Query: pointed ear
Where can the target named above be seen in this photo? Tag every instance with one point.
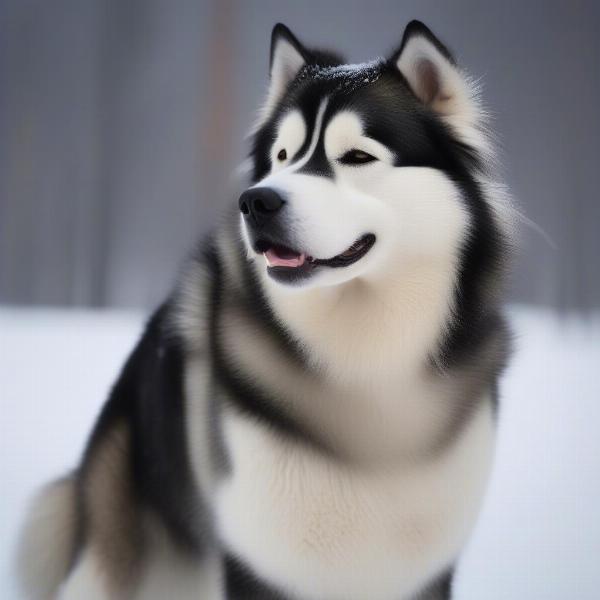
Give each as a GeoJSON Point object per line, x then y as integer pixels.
{"type": "Point", "coordinates": [288, 56]}
{"type": "Point", "coordinates": [432, 74]}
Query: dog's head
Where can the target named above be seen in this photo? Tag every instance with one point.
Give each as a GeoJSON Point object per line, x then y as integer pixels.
{"type": "Point", "coordinates": [358, 168]}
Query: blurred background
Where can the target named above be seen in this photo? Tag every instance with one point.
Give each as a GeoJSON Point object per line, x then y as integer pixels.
{"type": "Point", "coordinates": [121, 122]}
{"type": "Point", "coordinates": [121, 125]}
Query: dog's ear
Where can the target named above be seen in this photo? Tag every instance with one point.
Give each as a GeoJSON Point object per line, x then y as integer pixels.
{"type": "Point", "coordinates": [288, 56]}
{"type": "Point", "coordinates": [433, 76]}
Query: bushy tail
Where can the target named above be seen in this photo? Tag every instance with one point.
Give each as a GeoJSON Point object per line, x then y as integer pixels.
{"type": "Point", "coordinates": [47, 542]}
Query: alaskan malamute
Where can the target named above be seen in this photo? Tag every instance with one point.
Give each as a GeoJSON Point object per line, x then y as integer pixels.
{"type": "Point", "coordinates": [310, 414]}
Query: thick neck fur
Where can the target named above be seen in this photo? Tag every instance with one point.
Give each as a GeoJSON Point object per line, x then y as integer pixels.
{"type": "Point", "coordinates": [370, 392]}
{"type": "Point", "coordinates": [376, 331]}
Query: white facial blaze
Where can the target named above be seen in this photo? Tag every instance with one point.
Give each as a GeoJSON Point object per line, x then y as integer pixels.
{"type": "Point", "coordinates": [290, 137]}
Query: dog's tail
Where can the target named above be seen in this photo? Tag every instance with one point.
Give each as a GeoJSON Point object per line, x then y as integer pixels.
{"type": "Point", "coordinates": [47, 544]}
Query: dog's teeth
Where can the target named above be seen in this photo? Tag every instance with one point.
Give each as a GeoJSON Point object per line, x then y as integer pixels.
{"type": "Point", "coordinates": [266, 259]}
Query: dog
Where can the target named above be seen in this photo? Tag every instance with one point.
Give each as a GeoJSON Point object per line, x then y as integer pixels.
{"type": "Point", "coordinates": [311, 413]}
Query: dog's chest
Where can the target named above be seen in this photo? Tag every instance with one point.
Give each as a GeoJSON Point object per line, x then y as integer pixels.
{"type": "Point", "coordinates": [317, 528]}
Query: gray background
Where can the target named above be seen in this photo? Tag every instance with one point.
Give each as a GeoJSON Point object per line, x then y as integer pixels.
{"type": "Point", "coordinates": [121, 122]}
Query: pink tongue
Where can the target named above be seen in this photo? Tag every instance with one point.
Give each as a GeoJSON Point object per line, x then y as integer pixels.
{"type": "Point", "coordinates": [283, 260]}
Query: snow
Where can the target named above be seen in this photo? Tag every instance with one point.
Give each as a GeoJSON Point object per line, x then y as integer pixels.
{"type": "Point", "coordinates": [348, 77]}
{"type": "Point", "coordinates": [56, 368]}
{"type": "Point", "coordinates": [539, 532]}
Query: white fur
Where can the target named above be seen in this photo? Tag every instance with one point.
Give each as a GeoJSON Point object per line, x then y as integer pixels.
{"type": "Point", "coordinates": [419, 222]}
{"type": "Point", "coordinates": [373, 398]}
{"type": "Point", "coordinates": [381, 528]}
{"type": "Point", "coordinates": [86, 581]}
{"type": "Point", "coordinates": [47, 541]}
{"type": "Point", "coordinates": [329, 530]}
{"type": "Point", "coordinates": [403, 287]}
{"type": "Point", "coordinates": [291, 134]}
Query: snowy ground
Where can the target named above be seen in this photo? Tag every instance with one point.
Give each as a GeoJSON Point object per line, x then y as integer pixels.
{"type": "Point", "coordinates": [539, 534]}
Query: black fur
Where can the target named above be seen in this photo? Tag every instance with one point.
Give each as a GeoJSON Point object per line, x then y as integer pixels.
{"type": "Point", "coordinates": [417, 28]}
{"type": "Point", "coordinates": [148, 398]}
{"type": "Point", "coordinates": [243, 584]}
{"type": "Point", "coordinates": [439, 589]}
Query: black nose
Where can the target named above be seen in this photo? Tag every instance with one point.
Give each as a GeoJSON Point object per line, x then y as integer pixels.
{"type": "Point", "coordinates": [258, 205]}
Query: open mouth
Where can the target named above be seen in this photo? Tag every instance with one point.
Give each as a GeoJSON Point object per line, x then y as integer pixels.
{"type": "Point", "coordinates": [287, 264]}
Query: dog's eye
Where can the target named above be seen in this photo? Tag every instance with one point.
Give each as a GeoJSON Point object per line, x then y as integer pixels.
{"type": "Point", "coordinates": [356, 157]}
{"type": "Point", "coordinates": [282, 154]}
